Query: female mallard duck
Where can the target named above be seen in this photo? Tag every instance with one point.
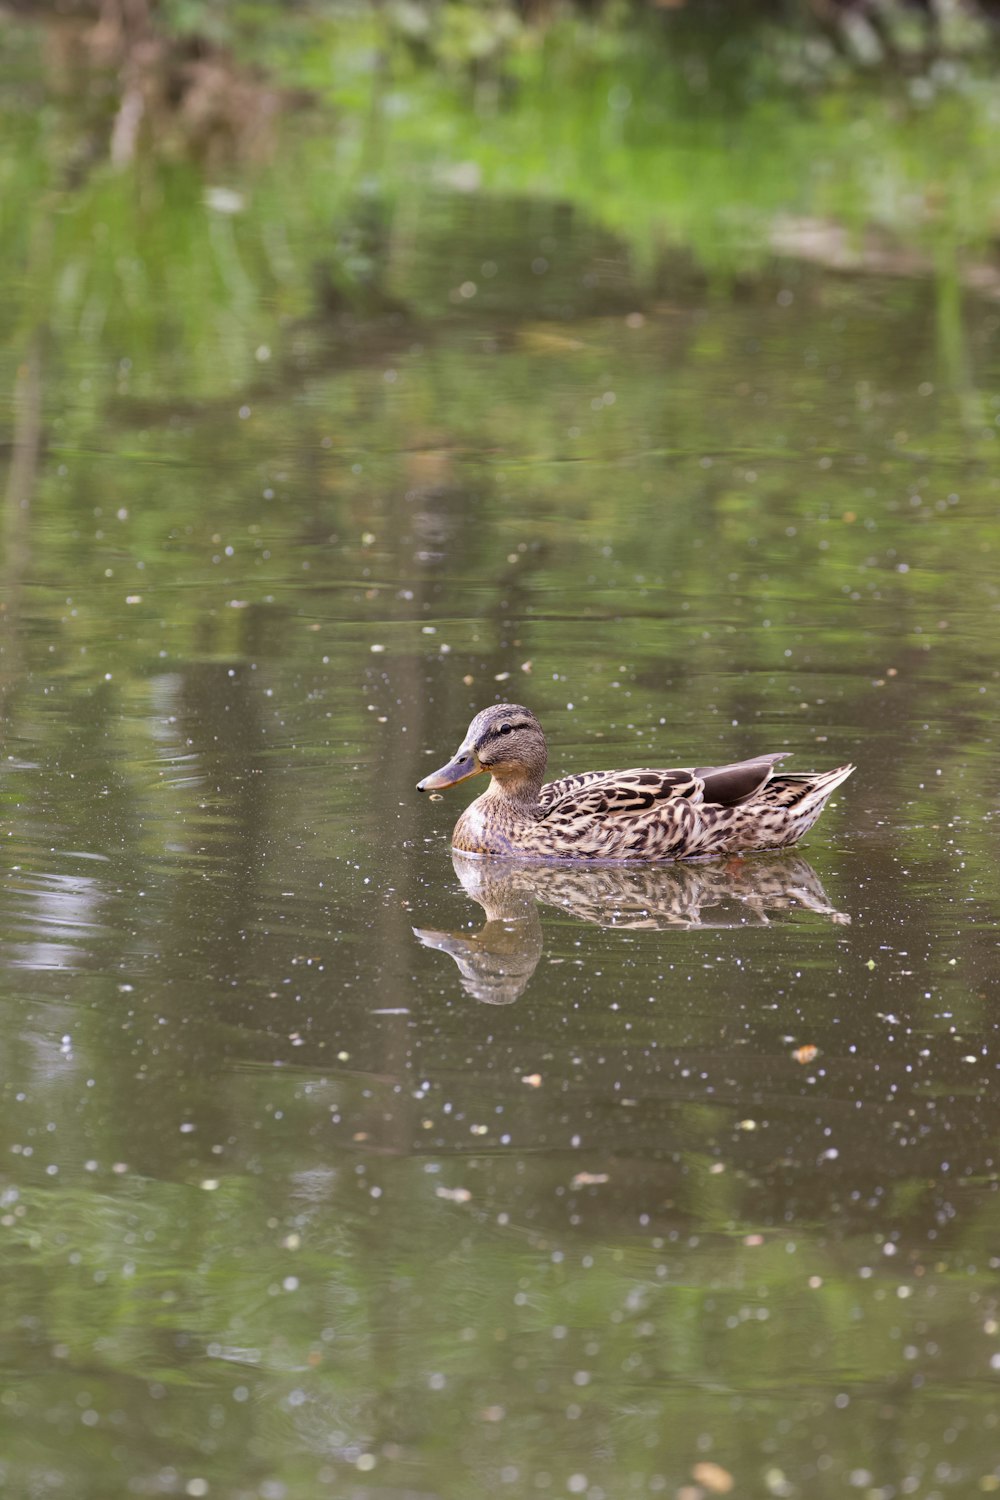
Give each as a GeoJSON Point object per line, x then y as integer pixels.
{"type": "Point", "coordinates": [639, 814]}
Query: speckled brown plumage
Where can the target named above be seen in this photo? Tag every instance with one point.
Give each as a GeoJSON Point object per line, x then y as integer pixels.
{"type": "Point", "coordinates": [640, 814]}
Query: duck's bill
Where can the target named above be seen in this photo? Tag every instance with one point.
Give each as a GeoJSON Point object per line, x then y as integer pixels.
{"type": "Point", "coordinates": [459, 769]}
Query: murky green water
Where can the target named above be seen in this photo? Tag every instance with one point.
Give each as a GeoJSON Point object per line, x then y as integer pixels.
{"type": "Point", "coordinates": [328, 1168]}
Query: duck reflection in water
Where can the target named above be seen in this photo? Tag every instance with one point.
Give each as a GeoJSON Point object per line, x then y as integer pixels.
{"type": "Point", "coordinates": [497, 962]}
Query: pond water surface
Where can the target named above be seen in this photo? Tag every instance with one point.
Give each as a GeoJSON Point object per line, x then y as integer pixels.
{"type": "Point", "coordinates": [330, 1166]}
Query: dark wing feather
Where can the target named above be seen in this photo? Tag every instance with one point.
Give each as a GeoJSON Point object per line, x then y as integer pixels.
{"type": "Point", "coordinates": [728, 786]}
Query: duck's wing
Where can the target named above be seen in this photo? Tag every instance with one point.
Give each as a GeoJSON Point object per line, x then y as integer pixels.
{"type": "Point", "coordinates": [728, 786]}
{"type": "Point", "coordinates": [600, 793]}
{"type": "Point", "coordinates": [554, 791]}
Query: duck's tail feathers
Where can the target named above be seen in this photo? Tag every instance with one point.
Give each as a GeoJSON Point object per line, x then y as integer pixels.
{"type": "Point", "coordinates": [806, 791]}
{"type": "Point", "coordinates": [827, 782]}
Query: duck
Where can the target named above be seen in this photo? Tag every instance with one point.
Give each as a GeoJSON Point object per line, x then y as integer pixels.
{"type": "Point", "coordinates": [640, 814]}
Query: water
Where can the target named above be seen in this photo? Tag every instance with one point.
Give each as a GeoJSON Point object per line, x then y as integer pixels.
{"type": "Point", "coordinates": [331, 1167]}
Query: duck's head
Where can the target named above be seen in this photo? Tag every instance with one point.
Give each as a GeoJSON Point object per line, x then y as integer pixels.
{"type": "Point", "coordinates": [506, 740]}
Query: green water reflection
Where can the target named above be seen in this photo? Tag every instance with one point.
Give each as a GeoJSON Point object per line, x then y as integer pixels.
{"type": "Point", "coordinates": [286, 1210]}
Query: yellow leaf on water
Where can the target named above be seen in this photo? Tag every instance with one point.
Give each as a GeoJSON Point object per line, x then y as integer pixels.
{"type": "Point", "coordinates": [714, 1477]}
{"type": "Point", "coordinates": [548, 340]}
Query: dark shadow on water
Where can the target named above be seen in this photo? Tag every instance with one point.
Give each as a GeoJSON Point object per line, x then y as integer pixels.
{"type": "Point", "coordinates": [497, 962]}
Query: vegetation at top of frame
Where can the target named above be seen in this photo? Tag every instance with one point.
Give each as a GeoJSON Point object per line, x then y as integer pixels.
{"type": "Point", "coordinates": [200, 219]}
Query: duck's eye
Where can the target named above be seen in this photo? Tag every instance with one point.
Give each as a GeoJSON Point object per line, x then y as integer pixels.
{"type": "Point", "coordinates": [505, 729]}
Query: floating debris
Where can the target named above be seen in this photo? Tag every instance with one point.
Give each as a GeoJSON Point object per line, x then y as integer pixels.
{"type": "Point", "coordinates": [714, 1477]}
{"type": "Point", "coordinates": [453, 1195]}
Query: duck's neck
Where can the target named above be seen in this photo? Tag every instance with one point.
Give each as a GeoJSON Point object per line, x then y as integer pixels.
{"type": "Point", "coordinates": [515, 792]}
